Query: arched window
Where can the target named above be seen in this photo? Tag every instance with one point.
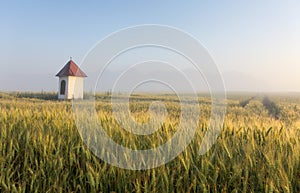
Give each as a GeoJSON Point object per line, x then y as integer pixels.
{"type": "Point", "coordinates": [62, 87]}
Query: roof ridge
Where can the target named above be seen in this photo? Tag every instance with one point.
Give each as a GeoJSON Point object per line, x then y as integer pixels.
{"type": "Point", "coordinates": [71, 69]}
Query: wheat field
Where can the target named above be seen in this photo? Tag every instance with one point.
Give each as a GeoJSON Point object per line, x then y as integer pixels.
{"type": "Point", "coordinates": [257, 151]}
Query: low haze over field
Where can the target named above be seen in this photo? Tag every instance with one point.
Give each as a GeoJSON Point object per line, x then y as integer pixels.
{"type": "Point", "coordinates": [255, 44]}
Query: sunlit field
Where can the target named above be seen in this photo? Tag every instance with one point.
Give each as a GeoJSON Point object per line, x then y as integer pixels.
{"type": "Point", "coordinates": [258, 150]}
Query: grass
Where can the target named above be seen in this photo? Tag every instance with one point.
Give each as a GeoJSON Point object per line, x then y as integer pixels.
{"type": "Point", "coordinates": [41, 149]}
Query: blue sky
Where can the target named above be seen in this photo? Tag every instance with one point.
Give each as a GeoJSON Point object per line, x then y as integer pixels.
{"type": "Point", "coordinates": [256, 44]}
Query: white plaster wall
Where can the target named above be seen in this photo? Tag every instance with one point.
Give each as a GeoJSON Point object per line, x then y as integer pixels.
{"type": "Point", "coordinates": [72, 92]}
{"type": "Point", "coordinates": [59, 95]}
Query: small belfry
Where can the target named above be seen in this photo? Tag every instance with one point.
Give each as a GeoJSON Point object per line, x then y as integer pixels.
{"type": "Point", "coordinates": [71, 79]}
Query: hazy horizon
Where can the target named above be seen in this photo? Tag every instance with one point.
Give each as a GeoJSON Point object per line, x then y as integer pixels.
{"type": "Point", "coordinates": [255, 44]}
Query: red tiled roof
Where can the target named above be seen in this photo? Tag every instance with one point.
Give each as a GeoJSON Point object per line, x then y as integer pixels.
{"type": "Point", "coordinates": [71, 69]}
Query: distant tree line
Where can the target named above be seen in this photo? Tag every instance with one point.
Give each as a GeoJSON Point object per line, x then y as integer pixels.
{"type": "Point", "coordinates": [37, 95]}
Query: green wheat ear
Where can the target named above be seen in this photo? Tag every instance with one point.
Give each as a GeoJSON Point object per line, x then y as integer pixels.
{"type": "Point", "coordinates": [42, 151]}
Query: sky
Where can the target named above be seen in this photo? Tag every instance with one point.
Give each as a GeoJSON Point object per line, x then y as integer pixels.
{"type": "Point", "coordinates": [255, 44]}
